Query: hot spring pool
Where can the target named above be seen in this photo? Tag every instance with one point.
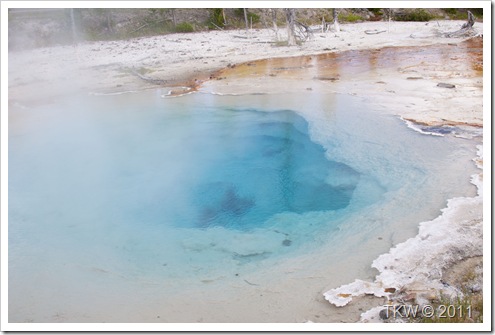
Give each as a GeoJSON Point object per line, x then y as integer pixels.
{"type": "Point", "coordinates": [136, 192]}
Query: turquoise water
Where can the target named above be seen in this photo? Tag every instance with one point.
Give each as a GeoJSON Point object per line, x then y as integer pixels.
{"type": "Point", "coordinates": [267, 166]}
{"type": "Point", "coordinates": [175, 190]}
{"type": "Point", "coordinates": [169, 167]}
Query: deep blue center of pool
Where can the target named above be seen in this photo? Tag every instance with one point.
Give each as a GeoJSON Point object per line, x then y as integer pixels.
{"type": "Point", "coordinates": [223, 167]}
{"type": "Point", "coordinates": [268, 165]}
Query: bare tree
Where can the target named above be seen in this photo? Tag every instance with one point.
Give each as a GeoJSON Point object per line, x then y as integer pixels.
{"type": "Point", "coordinates": [174, 19]}
{"type": "Point", "coordinates": [273, 12]}
{"type": "Point", "coordinates": [224, 18]}
{"type": "Point", "coordinates": [291, 20]}
{"type": "Point", "coordinates": [246, 19]}
{"type": "Point", "coordinates": [389, 13]}
{"type": "Point", "coordinates": [73, 26]}
{"type": "Point", "coordinates": [470, 22]}
{"type": "Point", "coordinates": [302, 31]}
{"type": "Point", "coordinates": [466, 29]}
{"type": "Point", "coordinates": [335, 13]}
{"type": "Point", "coordinates": [109, 20]}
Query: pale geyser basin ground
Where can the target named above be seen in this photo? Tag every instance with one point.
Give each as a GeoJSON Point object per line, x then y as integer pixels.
{"type": "Point", "coordinates": [75, 255]}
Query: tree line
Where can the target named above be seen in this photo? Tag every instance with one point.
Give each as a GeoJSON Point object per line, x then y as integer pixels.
{"type": "Point", "coordinates": [44, 27]}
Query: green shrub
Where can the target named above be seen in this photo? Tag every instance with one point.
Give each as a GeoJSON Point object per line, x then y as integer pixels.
{"type": "Point", "coordinates": [184, 27]}
{"type": "Point", "coordinates": [216, 18]}
{"type": "Point", "coordinates": [351, 17]}
{"type": "Point", "coordinates": [450, 11]}
{"type": "Point", "coordinates": [455, 13]}
{"type": "Point", "coordinates": [418, 14]}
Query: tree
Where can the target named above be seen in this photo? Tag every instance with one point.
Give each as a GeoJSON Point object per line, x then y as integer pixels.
{"type": "Point", "coordinates": [174, 19]}
{"type": "Point", "coordinates": [273, 12]}
{"type": "Point", "coordinates": [73, 25]}
{"type": "Point", "coordinates": [246, 19]}
{"type": "Point", "coordinates": [470, 22]}
{"type": "Point", "coordinates": [224, 18]}
{"type": "Point", "coordinates": [466, 29]}
{"type": "Point", "coordinates": [335, 14]}
{"type": "Point", "coordinates": [109, 20]}
{"type": "Point", "coordinates": [291, 20]}
{"type": "Point", "coordinates": [389, 14]}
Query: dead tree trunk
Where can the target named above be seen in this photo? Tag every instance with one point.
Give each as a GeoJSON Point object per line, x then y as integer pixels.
{"type": "Point", "coordinates": [291, 20]}
{"type": "Point", "coordinates": [470, 22]}
{"type": "Point", "coordinates": [466, 29]}
{"type": "Point", "coordinates": [224, 18]}
{"type": "Point", "coordinates": [335, 13]}
{"type": "Point", "coordinates": [174, 19]}
{"type": "Point", "coordinates": [302, 32]}
{"type": "Point", "coordinates": [73, 26]}
{"type": "Point", "coordinates": [109, 24]}
{"type": "Point", "coordinates": [389, 12]}
{"type": "Point", "coordinates": [273, 12]}
{"type": "Point", "coordinates": [246, 19]}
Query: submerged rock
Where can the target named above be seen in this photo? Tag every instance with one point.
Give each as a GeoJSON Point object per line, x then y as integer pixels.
{"type": "Point", "coordinates": [234, 204]}
{"type": "Point", "coordinates": [223, 204]}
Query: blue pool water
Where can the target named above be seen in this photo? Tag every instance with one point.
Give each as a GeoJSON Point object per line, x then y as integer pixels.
{"type": "Point", "coordinates": [267, 166]}
{"type": "Point", "coordinates": [177, 191]}
{"type": "Point", "coordinates": [168, 167]}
